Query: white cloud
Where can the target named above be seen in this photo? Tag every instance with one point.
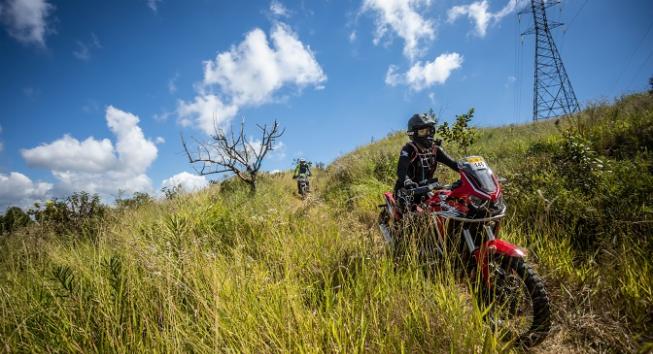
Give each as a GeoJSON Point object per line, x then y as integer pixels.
{"type": "Point", "coordinates": [16, 189]}
{"type": "Point", "coordinates": [84, 49]}
{"type": "Point", "coordinates": [423, 75]}
{"type": "Point", "coordinates": [159, 140]}
{"type": "Point", "coordinates": [163, 116]}
{"type": "Point", "coordinates": [207, 111]}
{"type": "Point", "coordinates": [352, 36]}
{"type": "Point", "coordinates": [249, 75]}
{"type": "Point", "coordinates": [2, 146]}
{"type": "Point", "coordinates": [278, 9]}
{"type": "Point", "coordinates": [26, 20]}
{"type": "Point", "coordinates": [153, 4]}
{"type": "Point", "coordinates": [189, 182]}
{"type": "Point", "coordinates": [172, 84]}
{"type": "Point", "coordinates": [278, 150]}
{"type": "Point", "coordinates": [68, 153]}
{"type": "Point", "coordinates": [99, 166]}
{"type": "Point", "coordinates": [404, 18]}
{"type": "Point", "coordinates": [510, 80]}
{"type": "Point", "coordinates": [479, 14]}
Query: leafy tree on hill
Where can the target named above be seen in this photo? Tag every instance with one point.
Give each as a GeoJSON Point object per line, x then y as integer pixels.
{"type": "Point", "coordinates": [460, 132]}
{"type": "Point", "coordinates": [13, 219]}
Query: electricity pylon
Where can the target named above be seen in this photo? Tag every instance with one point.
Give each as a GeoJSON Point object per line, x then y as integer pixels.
{"type": "Point", "coordinates": [553, 95]}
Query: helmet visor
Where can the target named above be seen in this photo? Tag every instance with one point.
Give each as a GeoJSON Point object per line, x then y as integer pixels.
{"type": "Point", "coordinates": [425, 132]}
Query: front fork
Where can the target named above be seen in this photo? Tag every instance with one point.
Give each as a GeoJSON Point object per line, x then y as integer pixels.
{"type": "Point", "coordinates": [490, 247]}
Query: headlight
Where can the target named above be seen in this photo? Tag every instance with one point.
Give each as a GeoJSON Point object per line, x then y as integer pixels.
{"type": "Point", "coordinates": [498, 204]}
{"type": "Point", "coordinates": [476, 201]}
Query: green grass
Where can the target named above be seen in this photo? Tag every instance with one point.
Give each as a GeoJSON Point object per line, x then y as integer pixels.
{"type": "Point", "coordinates": [221, 271]}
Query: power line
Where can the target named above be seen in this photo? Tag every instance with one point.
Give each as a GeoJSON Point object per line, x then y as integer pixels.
{"type": "Point", "coordinates": [640, 67]}
{"type": "Point", "coordinates": [568, 24]}
{"type": "Point", "coordinates": [577, 13]}
{"type": "Point", "coordinates": [630, 58]}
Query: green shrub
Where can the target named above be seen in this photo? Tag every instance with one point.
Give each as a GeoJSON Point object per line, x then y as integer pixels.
{"type": "Point", "coordinates": [13, 219]}
{"type": "Point", "coordinates": [81, 214]}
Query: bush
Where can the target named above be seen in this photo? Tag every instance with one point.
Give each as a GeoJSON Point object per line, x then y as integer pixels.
{"type": "Point", "coordinates": [137, 200]}
{"type": "Point", "coordinates": [13, 219]}
{"type": "Point", "coordinates": [79, 214]}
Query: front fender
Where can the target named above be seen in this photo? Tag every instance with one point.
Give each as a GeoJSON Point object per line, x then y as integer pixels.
{"type": "Point", "coordinates": [503, 248]}
{"type": "Point", "coordinates": [492, 247]}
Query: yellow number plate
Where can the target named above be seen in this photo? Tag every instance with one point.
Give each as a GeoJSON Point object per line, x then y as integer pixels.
{"type": "Point", "coordinates": [477, 162]}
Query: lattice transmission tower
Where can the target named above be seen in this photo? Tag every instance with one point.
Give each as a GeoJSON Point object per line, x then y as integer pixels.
{"type": "Point", "coordinates": [553, 95]}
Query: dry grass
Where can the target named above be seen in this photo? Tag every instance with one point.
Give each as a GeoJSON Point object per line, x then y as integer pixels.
{"type": "Point", "coordinates": [221, 271]}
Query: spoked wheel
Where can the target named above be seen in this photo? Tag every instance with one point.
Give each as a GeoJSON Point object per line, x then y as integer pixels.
{"type": "Point", "coordinates": [516, 301]}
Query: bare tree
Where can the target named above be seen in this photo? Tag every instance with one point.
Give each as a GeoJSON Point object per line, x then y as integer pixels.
{"type": "Point", "coordinates": [234, 152]}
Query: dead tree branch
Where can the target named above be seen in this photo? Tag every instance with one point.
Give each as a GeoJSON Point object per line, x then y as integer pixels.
{"type": "Point", "coordinates": [233, 152]}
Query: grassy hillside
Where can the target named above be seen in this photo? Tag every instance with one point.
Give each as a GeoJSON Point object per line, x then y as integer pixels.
{"type": "Point", "coordinates": [223, 271]}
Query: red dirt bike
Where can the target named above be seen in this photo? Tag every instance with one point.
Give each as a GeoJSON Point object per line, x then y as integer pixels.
{"type": "Point", "coordinates": [509, 291]}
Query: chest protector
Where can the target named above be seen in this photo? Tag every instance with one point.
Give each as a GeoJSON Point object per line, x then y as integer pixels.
{"type": "Point", "coordinates": [424, 162]}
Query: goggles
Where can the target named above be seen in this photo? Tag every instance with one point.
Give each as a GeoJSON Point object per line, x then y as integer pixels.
{"type": "Point", "coordinates": [425, 132]}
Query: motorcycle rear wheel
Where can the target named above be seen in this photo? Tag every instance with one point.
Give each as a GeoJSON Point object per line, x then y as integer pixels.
{"type": "Point", "coordinates": [512, 280]}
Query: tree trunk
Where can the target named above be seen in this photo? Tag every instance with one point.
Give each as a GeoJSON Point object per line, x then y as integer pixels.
{"type": "Point", "coordinates": [252, 186]}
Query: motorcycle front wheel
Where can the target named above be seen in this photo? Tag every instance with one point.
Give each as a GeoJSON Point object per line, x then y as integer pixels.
{"type": "Point", "coordinates": [515, 301]}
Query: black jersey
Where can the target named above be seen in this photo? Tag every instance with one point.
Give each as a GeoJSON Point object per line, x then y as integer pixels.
{"type": "Point", "coordinates": [420, 164]}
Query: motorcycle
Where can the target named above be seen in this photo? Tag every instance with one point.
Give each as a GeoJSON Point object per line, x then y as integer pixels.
{"type": "Point", "coordinates": [508, 290]}
{"type": "Point", "coordinates": [303, 185]}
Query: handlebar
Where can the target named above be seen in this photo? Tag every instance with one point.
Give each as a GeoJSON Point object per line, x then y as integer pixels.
{"type": "Point", "coordinates": [425, 189]}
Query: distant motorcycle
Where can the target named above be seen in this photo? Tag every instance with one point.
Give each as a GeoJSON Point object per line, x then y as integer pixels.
{"type": "Point", "coordinates": [508, 288]}
{"type": "Point", "coordinates": [303, 185]}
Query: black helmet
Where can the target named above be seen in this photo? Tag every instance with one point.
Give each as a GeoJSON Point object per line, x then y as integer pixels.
{"type": "Point", "coordinates": [420, 122]}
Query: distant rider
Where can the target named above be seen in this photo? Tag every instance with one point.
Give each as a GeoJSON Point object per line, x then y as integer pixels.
{"type": "Point", "coordinates": [419, 158]}
{"type": "Point", "coordinates": [302, 168]}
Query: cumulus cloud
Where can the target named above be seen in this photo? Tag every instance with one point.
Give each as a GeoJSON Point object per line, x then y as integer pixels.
{"type": "Point", "coordinates": [404, 19]}
{"type": "Point", "coordinates": [68, 153]}
{"type": "Point", "coordinates": [188, 182]}
{"type": "Point", "coordinates": [27, 20]}
{"type": "Point", "coordinates": [249, 75]}
{"type": "Point", "coordinates": [425, 74]}
{"type": "Point", "coordinates": [278, 150]}
{"type": "Point", "coordinates": [207, 111]}
{"type": "Point", "coordinates": [478, 13]}
{"type": "Point", "coordinates": [16, 189]}
{"type": "Point", "coordinates": [99, 166]}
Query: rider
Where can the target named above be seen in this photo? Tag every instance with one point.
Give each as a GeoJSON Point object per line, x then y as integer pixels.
{"type": "Point", "coordinates": [302, 168]}
{"type": "Point", "coordinates": [419, 158]}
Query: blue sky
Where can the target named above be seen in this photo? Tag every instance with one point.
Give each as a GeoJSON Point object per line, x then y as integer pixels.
{"type": "Point", "coordinates": [95, 94]}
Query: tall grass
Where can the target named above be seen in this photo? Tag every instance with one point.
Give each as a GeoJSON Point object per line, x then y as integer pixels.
{"type": "Point", "coordinates": [221, 271]}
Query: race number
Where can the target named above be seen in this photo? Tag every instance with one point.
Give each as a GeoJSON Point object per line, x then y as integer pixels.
{"type": "Point", "coordinates": [477, 162]}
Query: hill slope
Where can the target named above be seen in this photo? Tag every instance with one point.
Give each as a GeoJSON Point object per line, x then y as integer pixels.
{"type": "Point", "coordinates": [221, 270]}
